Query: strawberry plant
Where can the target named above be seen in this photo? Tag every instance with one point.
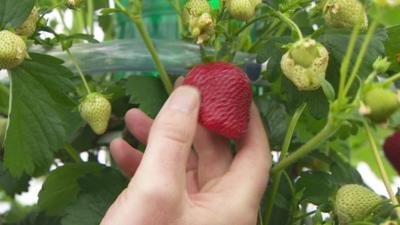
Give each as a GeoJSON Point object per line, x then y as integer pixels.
{"type": "Point", "coordinates": [323, 73]}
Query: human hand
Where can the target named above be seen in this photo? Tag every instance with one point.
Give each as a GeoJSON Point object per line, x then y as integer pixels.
{"type": "Point", "coordinates": [175, 185]}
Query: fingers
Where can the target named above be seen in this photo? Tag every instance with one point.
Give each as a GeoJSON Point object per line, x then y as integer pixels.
{"type": "Point", "coordinates": [126, 157]}
{"type": "Point", "coordinates": [139, 124]}
{"type": "Point", "coordinates": [169, 143]}
{"type": "Point", "coordinates": [214, 155]}
{"type": "Point", "coordinates": [179, 82]}
{"type": "Point", "coordinates": [252, 163]}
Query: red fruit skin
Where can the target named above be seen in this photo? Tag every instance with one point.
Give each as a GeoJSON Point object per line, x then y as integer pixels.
{"type": "Point", "coordinates": [226, 97]}
{"type": "Point", "coordinates": [392, 150]}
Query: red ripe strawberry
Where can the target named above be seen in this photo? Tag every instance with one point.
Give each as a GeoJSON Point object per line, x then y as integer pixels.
{"type": "Point", "coordinates": [392, 150]}
{"type": "Point", "coordinates": [226, 96]}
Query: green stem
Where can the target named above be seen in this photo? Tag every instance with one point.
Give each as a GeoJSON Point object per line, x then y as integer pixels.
{"type": "Point", "coordinates": [285, 149]}
{"type": "Point", "coordinates": [371, 77]}
{"type": "Point", "coordinates": [361, 55]}
{"type": "Point", "coordinates": [73, 153]}
{"type": "Point", "coordinates": [78, 68]}
{"type": "Point", "coordinates": [260, 221]}
{"type": "Point", "coordinates": [146, 38]}
{"type": "Point", "coordinates": [120, 5]}
{"type": "Point", "coordinates": [290, 22]}
{"type": "Point", "coordinates": [391, 79]}
{"type": "Point", "coordinates": [136, 18]}
{"type": "Point", "coordinates": [346, 62]}
{"type": "Point", "coordinates": [329, 129]}
{"type": "Point", "coordinates": [90, 12]}
{"type": "Point", "coordinates": [382, 170]}
{"type": "Point", "coordinates": [251, 22]}
{"type": "Point", "coordinates": [180, 16]}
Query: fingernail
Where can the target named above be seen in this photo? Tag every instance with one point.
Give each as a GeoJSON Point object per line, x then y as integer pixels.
{"type": "Point", "coordinates": [184, 99]}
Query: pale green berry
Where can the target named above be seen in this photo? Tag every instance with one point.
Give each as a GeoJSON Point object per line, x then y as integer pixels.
{"type": "Point", "coordinates": [28, 28]}
{"type": "Point", "coordinates": [202, 27]}
{"type": "Point", "coordinates": [345, 14]}
{"type": "Point", "coordinates": [354, 203]}
{"type": "Point", "coordinates": [13, 50]}
{"type": "Point", "coordinates": [380, 104]}
{"type": "Point", "coordinates": [243, 10]}
{"type": "Point", "coordinates": [95, 109]}
{"type": "Point", "coordinates": [195, 8]}
{"type": "Point", "coordinates": [305, 64]}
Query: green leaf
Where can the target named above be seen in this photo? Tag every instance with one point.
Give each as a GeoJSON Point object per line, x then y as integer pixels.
{"type": "Point", "coordinates": [14, 12]}
{"type": "Point", "coordinates": [97, 195]}
{"type": "Point", "coordinates": [50, 3]}
{"type": "Point", "coordinates": [41, 115]}
{"type": "Point", "coordinates": [275, 118]}
{"type": "Point", "coordinates": [336, 41]}
{"type": "Point", "coordinates": [35, 217]}
{"type": "Point", "coordinates": [392, 46]}
{"type": "Point", "coordinates": [388, 16]}
{"type": "Point", "coordinates": [311, 183]}
{"type": "Point", "coordinates": [343, 172]}
{"type": "Point", "coordinates": [148, 92]}
{"type": "Point", "coordinates": [61, 187]}
{"type": "Point", "coordinates": [12, 185]}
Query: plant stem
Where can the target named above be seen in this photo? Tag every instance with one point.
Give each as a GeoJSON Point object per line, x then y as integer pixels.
{"type": "Point", "coordinates": [392, 79]}
{"type": "Point", "coordinates": [146, 38]}
{"type": "Point", "coordinates": [346, 62]}
{"type": "Point", "coordinates": [136, 18]}
{"type": "Point", "coordinates": [361, 55]}
{"type": "Point", "coordinates": [285, 148]}
{"type": "Point", "coordinates": [329, 129]}
{"type": "Point", "coordinates": [180, 17]}
{"type": "Point", "coordinates": [120, 5]}
{"type": "Point", "coordinates": [382, 170]}
{"type": "Point", "coordinates": [73, 153]}
{"type": "Point", "coordinates": [78, 68]}
{"type": "Point", "coordinates": [251, 22]}
{"type": "Point", "coordinates": [90, 12]}
{"type": "Point", "coordinates": [290, 22]}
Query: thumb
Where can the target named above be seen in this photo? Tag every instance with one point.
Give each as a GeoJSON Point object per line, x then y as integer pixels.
{"type": "Point", "coordinates": [169, 143]}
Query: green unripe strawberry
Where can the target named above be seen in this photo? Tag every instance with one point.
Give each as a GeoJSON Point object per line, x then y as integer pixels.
{"type": "Point", "coordinates": [201, 28]}
{"type": "Point", "coordinates": [390, 222]}
{"type": "Point", "coordinates": [243, 10]}
{"type": "Point", "coordinates": [255, 3]}
{"type": "Point", "coordinates": [305, 64]}
{"type": "Point", "coordinates": [345, 14]}
{"type": "Point", "coordinates": [12, 50]}
{"type": "Point", "coordinates": [3, 127]}
{"type": "Point", "coordinates": [380, 104]}
{"type": "Point", "coordinates": [74, 4]}
{"type": "Point", "coordinates": [354, 203]}
{"type": "Point", "coordinates": [197, 13]}
{"type": "Point", "coordinates": [28, 28]}
{"type": "Point", "coordinates": [196, 8]}
{"type": "Point", "coordinates": [95, 109]}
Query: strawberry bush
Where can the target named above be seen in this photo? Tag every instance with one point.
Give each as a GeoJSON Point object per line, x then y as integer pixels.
{"type": "Point", "coordinates": [323, 74]}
